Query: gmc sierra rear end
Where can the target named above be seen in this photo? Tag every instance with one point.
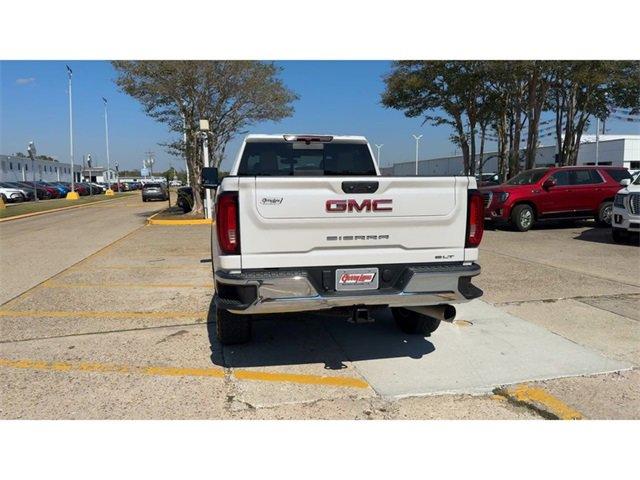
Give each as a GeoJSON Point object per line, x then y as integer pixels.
{"type": "Point", "coordinates": [306, 222]}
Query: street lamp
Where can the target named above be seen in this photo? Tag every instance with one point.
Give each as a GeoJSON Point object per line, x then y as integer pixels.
{"type": "Point", "coordinates": [106, 137]}
{"type": "Point", "coordinates": [31, 149]}
{"type": "Point", "coordinates": [417, 137]}
{"type": "Point", "coordinates": [379, 147]}
{"type": "Point", "coordinates": [72, 195]}
{"type": "Point", "coordinates": [90, 180]}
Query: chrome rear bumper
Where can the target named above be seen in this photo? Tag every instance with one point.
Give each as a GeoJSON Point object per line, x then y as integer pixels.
{"type": "Point", "coordinates": [279, 291]}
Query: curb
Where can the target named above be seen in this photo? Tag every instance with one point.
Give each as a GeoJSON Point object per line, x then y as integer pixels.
{"type": "Point", "coordinates": [53, 210]}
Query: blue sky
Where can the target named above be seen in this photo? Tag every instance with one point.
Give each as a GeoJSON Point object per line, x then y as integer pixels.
{"type": "Point", "coordinates": [340, 97]}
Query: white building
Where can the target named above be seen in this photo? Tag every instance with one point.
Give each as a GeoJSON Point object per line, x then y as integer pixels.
{"type": "Point", "coordinates": [21, 169]}
{"type": "Point", "coordinates": [618, 150]}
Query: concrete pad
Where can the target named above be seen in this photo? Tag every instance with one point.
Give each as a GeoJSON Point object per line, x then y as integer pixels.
{"type": "Point", "coordinates": [613, 335]}
{"type": "Point", "coordinates": [497, 349]}
{"type": "Point", "coordinates": [508, 279]}
{"type": "Point", "coordinates": [625, 305]}
{"type": "Point", "coordinates": [578, 248]}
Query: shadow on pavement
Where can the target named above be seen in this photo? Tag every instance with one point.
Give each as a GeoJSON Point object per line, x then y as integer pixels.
{"type": "Point", "coordinates": [306, 338]}
{"type": "Point", "coordinates": [603, 235]}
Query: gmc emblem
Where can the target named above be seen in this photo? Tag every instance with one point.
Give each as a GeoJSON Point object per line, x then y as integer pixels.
{"type": "Point", "coordinates": [351, 205]}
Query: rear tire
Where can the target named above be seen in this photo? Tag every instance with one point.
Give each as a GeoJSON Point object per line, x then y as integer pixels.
{"type": "Point", "coordinates": [522, 217]}
{"type": "Point", "coordinates": [604, 214]}
{"type": "Point", "coordinates": [414, 323]}
{"type": "Point", "coordinates": [232, 329]}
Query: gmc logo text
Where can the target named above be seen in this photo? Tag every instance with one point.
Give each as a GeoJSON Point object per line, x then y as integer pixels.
{"type": "Point", "coordinates": [352, 205]}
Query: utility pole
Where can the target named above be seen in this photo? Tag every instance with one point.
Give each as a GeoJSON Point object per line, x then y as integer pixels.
{"type": "Point", "coordinates": [379, 147]}
{"type": "Point", "coordinates": [417, 137]}
{"type": "Point", "coordinates": [106, 137]}
{"type": "Point", "coordinates": [72, 195]}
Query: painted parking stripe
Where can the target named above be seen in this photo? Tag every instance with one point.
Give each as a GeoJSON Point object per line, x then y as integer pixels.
{"type": "Point", "coordinates": [99, 314]}
{"type": "Point", "coordinates": [163, 371]}
{"type": "Point", "coordinates": [536, 397]}
{"type": "Point", "coordinates": [297, 378]}
{"type": "Point", "coordinates": [111, 368]}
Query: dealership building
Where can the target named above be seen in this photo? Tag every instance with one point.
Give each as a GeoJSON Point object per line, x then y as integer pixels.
{"type": "Point", "coordinates": [618, 150]}
{"type": "Point", "coordinates": [21, 169]}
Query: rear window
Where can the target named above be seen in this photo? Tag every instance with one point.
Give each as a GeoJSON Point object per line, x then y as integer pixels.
{"type": "Point", "coordinates": [317, 159]}
{"type": "Point", "coordinates": [618, 174]}
{"type": "Point", "coordinates": [152, 185]}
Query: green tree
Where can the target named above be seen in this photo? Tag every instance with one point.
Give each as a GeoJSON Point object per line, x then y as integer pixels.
{"type": "Point", "coordinates": [583, 90]}
{"type": "Point", "coordinates": [232, 95]}
{"type": "Point", "coordinates": [443, 93]}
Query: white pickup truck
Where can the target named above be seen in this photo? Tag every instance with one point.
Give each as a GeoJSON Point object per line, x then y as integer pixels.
{"type": "Point", "coordinates": [306, 222]}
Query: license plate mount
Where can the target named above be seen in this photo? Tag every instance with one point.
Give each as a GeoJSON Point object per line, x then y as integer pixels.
{"type": "Point", "coordinates": [356, 279]}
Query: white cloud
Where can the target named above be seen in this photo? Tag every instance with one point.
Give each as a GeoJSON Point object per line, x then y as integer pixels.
{"type": "Point", "coordinates": [25, 81]}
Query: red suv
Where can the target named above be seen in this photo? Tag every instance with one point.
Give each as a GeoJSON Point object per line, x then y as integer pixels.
{"type": "Point", "coordinates": [557, 193]}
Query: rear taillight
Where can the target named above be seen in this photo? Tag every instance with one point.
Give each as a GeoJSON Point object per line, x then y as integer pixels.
{"type": "Point", "coordinates": [227, 223]}
{"type": "Point", "coordinates": [475, 219]}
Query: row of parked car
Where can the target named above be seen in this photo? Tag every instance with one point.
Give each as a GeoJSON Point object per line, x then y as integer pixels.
{"type": "Point", "coordinates": [563, 193]}
{"type": "Point", "coordinates": [14, 192]}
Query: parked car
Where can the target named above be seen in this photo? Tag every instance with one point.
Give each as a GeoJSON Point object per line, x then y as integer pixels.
{"type": "Point", "coordinates": [54, 191]}
{"type": "Point", "coordinates": [626, 211]}
{"type": "Point", "coordinates": [155, 191]}
{"type": "Point", "coordinates": [41, 192]}
{"type": "Point", "coordinates": [11, 195]}
{"type": "Point", "coordinates": [306, 222]}
{"type": "Point", "coordinates": [62, 190]}
{"type": "Point", "coordinates": [557, 193]}
{"type": "Point", "coordinates": [26, 192]}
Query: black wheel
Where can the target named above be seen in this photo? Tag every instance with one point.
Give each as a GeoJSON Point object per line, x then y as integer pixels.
{"type": "Point", "coordinates": [414, 323]}
{"type": "Point", "coordinates": [232, 329]}
{"type": "Point", "coordinates": [604, 214]}
{"type": "Point", "coordinates": [4, 199]}
{"type": "Point", "coordinates": [144, 199]}
{"type": "Point", "coordinates": [618, 235]}
{"type": "Point", "coordinates": [522, 217]}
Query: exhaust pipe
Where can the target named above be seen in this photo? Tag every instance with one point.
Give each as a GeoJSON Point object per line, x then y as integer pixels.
{"type": "Point", "coordinates": [441, 312]}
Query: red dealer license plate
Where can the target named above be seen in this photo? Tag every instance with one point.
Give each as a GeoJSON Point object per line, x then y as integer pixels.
{"type": "Point", "coordinates": [356, 279]}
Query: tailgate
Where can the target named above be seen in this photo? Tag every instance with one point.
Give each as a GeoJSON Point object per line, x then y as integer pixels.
{"type": "Point", "coordinates": [299, 221]}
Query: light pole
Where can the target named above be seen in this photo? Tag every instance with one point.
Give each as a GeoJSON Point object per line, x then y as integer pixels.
{"type": "Point", "coordinates": [31, 149]}
{"type": "Point", "coordinates": [89, 165]}
{"type": "Point", "coordinates": [204, 136]}
{"type": "Point", "coordinates": [597, 140]}
{"type": "Point", "coordinates": [417, 137]}
{"type": "Point", "coordinates": [379, 147]}
{"type": "Point", "coordinates": [106, 137]}
{"type": "Point", "coordinates": [184, 140]}
{"type": "Point", "coordinates": [72, 195]}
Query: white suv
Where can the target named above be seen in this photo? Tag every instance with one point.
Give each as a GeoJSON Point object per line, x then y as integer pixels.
{"type": "Point", "coordinates": [626, 210]}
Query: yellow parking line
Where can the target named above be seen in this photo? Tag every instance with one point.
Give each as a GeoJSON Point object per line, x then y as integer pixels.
{"type": "Point", "coordinates": [296, 378]}
{"type": "Point", "coordinates": [98, 314]}
{"type": "Point", "coordinates": [533, 396]}
{"type": "Point", "coordinates": [108, 284]}
{"type": "Point", "coordinates": [110, 368]}
{"type": "Point", "coordinates": [163, 371]}
{"type": "Point", "coordinates": [194, 221]}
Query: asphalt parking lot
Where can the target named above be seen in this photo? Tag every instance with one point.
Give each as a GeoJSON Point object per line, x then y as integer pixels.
{"type": "Point", "coordinates": [120, 326]}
